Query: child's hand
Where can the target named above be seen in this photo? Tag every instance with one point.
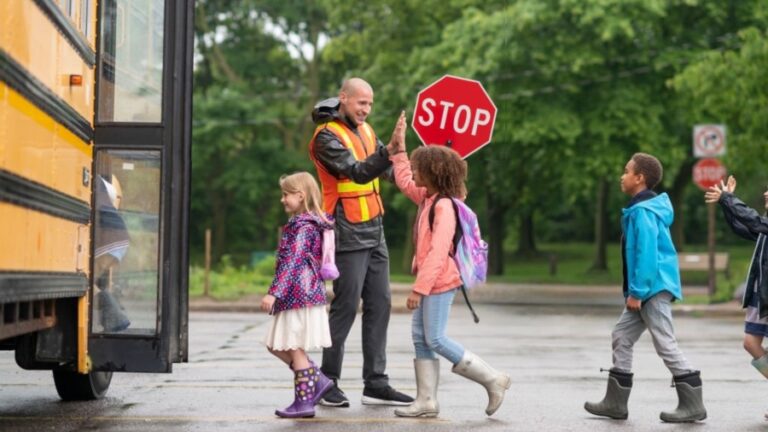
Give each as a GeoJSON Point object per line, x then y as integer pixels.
{"type": "Point", "coordinates": [634, 304]}
{"type": "Point", "coordinates": [267, 303]}
{"type": "Point", "coordinates": [714, 192]}
{"type": "Point", "coordinates": [414, 299]}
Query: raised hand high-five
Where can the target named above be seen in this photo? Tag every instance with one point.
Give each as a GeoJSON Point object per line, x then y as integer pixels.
{"type": "Point", "coordinates": [397, 142]}
{"type": "Point", "coordinates": [714, 192]}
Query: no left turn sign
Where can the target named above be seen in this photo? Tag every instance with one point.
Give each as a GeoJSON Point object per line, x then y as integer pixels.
{"type": "Point", "coordinates": [708, 141]}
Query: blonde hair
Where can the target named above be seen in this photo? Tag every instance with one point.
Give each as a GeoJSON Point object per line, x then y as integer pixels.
{"type": "Point", "coordinates": [304, 182]}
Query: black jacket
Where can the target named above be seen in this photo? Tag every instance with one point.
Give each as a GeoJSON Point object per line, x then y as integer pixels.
{"type": "Point", "coordinates": [748, 223]}
{"type": "Point", "coordinates": [339, 161]}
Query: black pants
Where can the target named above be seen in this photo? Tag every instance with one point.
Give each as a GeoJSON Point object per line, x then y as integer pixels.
{"type": "Point", "coordinates": [364, 274]}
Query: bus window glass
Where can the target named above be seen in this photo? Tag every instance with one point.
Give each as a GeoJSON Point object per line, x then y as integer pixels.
{"type": "Point", "coordinates": [126, 242]}
{"type": "Point", "coordinates": [85, 17]}
{"type": "Point", "coordinates": [131, 65]}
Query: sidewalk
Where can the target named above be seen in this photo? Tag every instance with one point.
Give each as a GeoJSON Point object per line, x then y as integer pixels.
{"type": "Point", "coordinates": [508, 294]}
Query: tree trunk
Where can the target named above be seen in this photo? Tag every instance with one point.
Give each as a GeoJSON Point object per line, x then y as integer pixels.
{"type": "Point", "coordinates": [526, 243]}
{"type": "Point", "coordinates": [496, 234]}
{"type": "Point", "coordinates": [408, 248]}
{"type": "Point", "coordinates": [601, 227]}
{"type": "Point", "coordinates": [676, 195]}
{"type": "Point", "coordinates": [219, 220]}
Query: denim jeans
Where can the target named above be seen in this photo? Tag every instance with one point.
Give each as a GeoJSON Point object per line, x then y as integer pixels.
{"type": "Point", "coordinates": [428, 328]}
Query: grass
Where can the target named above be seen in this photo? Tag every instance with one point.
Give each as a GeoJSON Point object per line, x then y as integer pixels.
{"type": "Point", "coordinates": [229, 282]}
{"type": "Point", "coordinates": [573, 261]}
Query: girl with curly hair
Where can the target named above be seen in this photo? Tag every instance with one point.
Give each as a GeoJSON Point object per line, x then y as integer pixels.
{"type": "Point", "coordinates": [433, 173]}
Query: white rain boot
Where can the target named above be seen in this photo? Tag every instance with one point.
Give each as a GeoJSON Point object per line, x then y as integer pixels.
{"type": "Point", "coordinates": [427, 378]}
{"type": "Point", "coordinates": [761, 364]}
{"type": "Point", "coordinates": [476, 369]}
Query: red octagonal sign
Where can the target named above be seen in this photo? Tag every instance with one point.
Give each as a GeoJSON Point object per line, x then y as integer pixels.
{"type": "Point", "coordinates": [455, 110]}
{"type": "Point", "coordinates": [707, 173]}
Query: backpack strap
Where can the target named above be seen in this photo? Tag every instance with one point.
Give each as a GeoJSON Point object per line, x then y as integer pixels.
{"type": "Point", "coordinates": [456, 234]}
{"type": "Point", "coordinates": [471, 309]}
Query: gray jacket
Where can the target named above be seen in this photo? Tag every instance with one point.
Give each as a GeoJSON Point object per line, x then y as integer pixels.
{"type": "Point", "coordinates": [339, 161]}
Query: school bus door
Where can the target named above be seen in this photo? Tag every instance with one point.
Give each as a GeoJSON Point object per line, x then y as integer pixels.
{"type": "Point", "coordinates": [140, 181]}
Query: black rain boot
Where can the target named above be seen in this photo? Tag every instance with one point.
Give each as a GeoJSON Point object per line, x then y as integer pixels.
{"type": "Point", "coordinates": [614, 404]}
{"type": "Point", "coordinates": [690, 406]}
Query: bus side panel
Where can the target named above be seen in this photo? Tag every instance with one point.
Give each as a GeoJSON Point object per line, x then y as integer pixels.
{"type": "Point", "coordinates": [41, 150]}
{"type": "Point", "coordinates": [33, 41]}
{"type": "Point", "coordinates": [36, 242]}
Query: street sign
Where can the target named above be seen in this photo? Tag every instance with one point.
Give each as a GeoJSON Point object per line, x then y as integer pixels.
{"type": "Point", "coordinates": [708, 141]}
{"type": "Point", "coordinates": [455, 110]}
{"type": "Point", "coordinates": [708, 172]}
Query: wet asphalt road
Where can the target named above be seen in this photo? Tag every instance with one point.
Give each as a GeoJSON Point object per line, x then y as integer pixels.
{"type": "Point", "coordinates": [552, 353]}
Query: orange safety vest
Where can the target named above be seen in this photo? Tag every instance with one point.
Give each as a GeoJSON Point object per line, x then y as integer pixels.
{"type": "Point", "coordinates": [361, 202]}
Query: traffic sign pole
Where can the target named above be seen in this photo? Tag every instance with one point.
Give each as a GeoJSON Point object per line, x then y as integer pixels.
{"type": "Point", "coordinates": [711, 275]}
{"type": "Point", "coordinates": [709, 141]}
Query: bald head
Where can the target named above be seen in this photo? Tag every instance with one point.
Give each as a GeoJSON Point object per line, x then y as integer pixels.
{"type": "Point", "coordinates": [355, 100]}
{"type": "Point", "coordinates": [353, 86]}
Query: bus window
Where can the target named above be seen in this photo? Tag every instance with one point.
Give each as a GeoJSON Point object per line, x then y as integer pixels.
{"type": "Point", "coordinates": [85, 17]}
{"type": "Point", "coordinates": [131, 66]}
{"type": "Point", "coordinates": [126, 242]}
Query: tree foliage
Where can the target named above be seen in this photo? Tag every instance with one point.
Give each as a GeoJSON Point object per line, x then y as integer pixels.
{"type": "Point", "coordinates": [580, 85]}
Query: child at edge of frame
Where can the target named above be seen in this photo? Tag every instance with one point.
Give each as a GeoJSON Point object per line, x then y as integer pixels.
{"type": "Point", "coordinates": [651, 284]}
{"type": "Point", "coordinates": [749, 224]}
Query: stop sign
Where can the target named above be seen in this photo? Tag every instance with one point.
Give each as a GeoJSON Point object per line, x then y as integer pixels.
{"type": "Point", "coordinates": [457, 110]}
{"type": "Point", "coordinates": [707, 173]}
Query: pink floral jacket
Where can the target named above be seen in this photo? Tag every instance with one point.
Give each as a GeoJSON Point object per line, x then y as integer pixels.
{"type": "Point", "coordinates": [297, 282]}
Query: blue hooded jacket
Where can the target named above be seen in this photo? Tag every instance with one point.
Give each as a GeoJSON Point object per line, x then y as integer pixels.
{"type": "Point", "coordinates": [652, 265]}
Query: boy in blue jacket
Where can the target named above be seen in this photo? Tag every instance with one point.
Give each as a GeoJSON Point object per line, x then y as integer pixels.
{"type": "Point", "coordinates": [651, 283]}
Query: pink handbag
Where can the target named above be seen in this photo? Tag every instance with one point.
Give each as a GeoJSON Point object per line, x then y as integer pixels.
{"type": "Point", "coordinates": [328, 270]}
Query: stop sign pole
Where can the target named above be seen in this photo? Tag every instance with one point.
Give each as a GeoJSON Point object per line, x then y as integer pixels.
{"type": "Point", "coordinates": [709, 141]}
{"type": "Point", "coordinates": [457, 112]}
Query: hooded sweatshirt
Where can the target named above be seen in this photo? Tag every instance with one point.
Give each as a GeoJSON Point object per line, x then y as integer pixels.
{"type": "Point", "coordinates": [297, 282]}
{"type": "Point", "coordinates": [651, 258]}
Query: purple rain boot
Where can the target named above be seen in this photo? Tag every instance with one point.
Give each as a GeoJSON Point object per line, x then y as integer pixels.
{"type": "Point", "coordinates": [304, 392]}
{"type": "Point", "coordinates": [322, 383]}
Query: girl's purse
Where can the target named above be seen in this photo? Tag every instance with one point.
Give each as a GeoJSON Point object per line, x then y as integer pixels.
{"type": "Point", "coordinates": [328, 270]}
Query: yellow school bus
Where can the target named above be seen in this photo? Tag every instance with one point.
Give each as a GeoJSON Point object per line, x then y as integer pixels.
{"type": "Point", "coordinates": [95, 126]}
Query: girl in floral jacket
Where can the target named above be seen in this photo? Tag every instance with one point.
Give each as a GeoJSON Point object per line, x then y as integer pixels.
{"type": "Point", "coordinates": [296, 297]}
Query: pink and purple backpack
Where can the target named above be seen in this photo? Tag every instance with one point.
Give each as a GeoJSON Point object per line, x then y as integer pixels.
{"type": "Point", "coordinates": [470, 250]}
{"type": "Point", "coordinates": [328, 269]}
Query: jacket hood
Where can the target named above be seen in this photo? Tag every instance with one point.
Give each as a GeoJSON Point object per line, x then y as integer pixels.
{"type": "Point", "coordinates": [310, 219]}
{"type": "Point", "coordinates": [660, 205]}
{"type": "Point", "coordinates": [326, 110]}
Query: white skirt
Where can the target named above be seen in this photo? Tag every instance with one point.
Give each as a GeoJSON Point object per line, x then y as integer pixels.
{"type": "Point", "coordinates": [306, 328]}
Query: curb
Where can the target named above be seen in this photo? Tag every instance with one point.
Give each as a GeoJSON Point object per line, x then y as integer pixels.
{"type": "Point", "coordinates": [565, 296]}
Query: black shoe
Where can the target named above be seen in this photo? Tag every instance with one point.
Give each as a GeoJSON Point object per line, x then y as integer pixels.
{"type": "Point", "coordinates": [385, 396]}
{"type": "Point", "coordinates": [335, 398]}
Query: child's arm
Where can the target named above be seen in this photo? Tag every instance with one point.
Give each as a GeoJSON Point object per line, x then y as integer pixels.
{"type": "Point", "coordinates": [404, 178]}
{"type": "Point", "coordinates": [645, 250]}
{"type": "Point", "coordinates": [439, 248]}
{"type": "Point", "coordinates": [743, 220]}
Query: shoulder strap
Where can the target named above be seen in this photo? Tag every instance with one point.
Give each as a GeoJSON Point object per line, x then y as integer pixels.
{"type": "Point", "coordinates": [458, 233]}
